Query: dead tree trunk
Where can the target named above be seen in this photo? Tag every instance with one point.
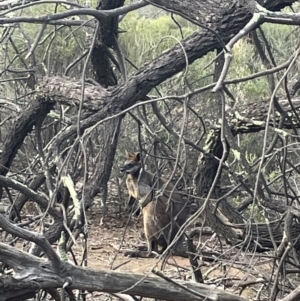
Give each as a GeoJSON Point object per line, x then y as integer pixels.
{"type": "Point", "coordinates": [221, 216]}
{"type": "Point", "coordinates": [207, 168]}
{"type": "Point", "coordinates": [107, 38]}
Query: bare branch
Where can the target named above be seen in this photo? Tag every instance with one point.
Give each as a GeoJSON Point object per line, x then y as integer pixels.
{"type": "Point", "coordinates": [39, 239]}
{"type": "Point", "coordinates": [293, 296]}
{"type": "Point", "coordinates": [31, 194]}
{"type": "Point", "coordinates": [99, 15]}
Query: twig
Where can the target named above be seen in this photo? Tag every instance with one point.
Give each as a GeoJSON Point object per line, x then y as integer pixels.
{"type": "Point", "coordinates": [202, 296]}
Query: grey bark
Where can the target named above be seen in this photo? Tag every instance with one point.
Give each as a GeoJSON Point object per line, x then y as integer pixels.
{"type": "Point", "coordinates": [106, 38]}
{"type": "Point", "coordinates": [34, 273]}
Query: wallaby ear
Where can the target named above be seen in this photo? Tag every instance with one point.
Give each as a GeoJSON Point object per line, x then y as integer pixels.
{"type": "Point", "coordinates": [138, 157]}
{"type": "Point", "coordinates": [130, 155]}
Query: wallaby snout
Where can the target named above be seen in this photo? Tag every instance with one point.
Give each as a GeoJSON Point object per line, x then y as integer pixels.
{"type": "Point", "coordinates": [125, 170]}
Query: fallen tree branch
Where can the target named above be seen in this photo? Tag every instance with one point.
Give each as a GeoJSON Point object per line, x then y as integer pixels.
{"type": "Point", "coordinates": [246, 119]}
{"type": "Point", "coordinates": [39, 239]}
{"type": "Point", "coordinates": [36, 273]}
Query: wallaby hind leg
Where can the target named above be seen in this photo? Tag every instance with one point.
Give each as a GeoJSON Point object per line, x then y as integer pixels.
{"type": "Point", "coordinates": [152, 246]}
{"type": "Point", "coordinates": [163, 248]}
{"type": "Point", "coordinates": [137, 253]}
{"type": "Point", "coordinates": [142, 248]}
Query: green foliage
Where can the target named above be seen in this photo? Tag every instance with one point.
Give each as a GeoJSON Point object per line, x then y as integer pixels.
{"type": "Point", "coordinates": [143, 41]}
{"type": "Point", "coordinates": [146, 38]}
{"type": "Point", "coordinates": [246, 61]}
{"type": "Point", "coordinates": [282, 39]}
{"type": "Point", "coordinates": [148, 33]}
{"type": "Point", "coordinates": [57, 48]}
{"type": "Point", "coordinates": [250, 157]}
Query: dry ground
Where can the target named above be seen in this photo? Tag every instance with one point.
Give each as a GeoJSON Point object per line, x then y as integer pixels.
{"type": "Point", "coordinates": [107, 242]}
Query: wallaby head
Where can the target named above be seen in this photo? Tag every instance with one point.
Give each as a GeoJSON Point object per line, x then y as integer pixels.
{"type": "Point", "coordinates": [133, 163]}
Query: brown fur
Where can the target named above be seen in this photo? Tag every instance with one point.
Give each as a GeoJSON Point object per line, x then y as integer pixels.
{"type": "Point", "coordinates": [158, 215]}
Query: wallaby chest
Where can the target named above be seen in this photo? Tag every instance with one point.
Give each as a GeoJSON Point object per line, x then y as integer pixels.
{"type": "Point", "coordinates": [132, 186]}
{"type": "Point", "coordinates": [140, 189]}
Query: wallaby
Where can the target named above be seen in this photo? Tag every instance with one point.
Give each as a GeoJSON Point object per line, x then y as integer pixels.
{"type": "Point", "coordinates": [162, 215]}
